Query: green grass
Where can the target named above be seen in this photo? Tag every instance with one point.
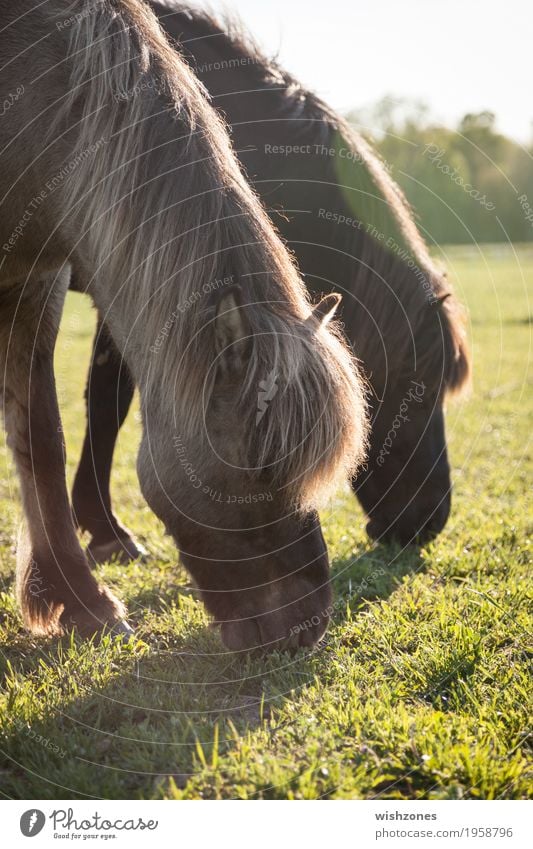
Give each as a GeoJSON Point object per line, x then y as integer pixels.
{"type": "Point", "coordinates": [421, 688]}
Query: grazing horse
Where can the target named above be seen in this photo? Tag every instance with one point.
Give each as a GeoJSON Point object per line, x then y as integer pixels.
{"type": "Point", "coordinates": [116, 169]}
{"type": "Point", "coordinates": [351, 229]}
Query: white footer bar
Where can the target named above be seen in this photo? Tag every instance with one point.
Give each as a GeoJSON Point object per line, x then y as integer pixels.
{"type": "Point", "coordinates": [267, 825]}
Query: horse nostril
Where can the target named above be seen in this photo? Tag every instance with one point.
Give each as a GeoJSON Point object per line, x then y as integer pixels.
{"type": "Point", "coordinates": [298, 625]}
{"type": "Point", "coordinates": [310, 636]}
{"type": "Point", "coordinates": [413, 527]}
{"type": "Point", "coordinates": [385, 532]}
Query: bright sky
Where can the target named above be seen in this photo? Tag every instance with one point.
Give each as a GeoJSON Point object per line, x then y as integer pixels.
{"type": "Point", "coordinates": [458, 55]}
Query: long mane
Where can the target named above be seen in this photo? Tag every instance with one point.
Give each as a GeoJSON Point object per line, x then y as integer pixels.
{"type": "Point", "coordinates": [161, 208]}
{"type": "Point", "coordinates": [366, 191]}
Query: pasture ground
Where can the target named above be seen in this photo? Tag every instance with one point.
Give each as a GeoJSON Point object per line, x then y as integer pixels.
{"type": "Point", "coordinates": [420, 690]}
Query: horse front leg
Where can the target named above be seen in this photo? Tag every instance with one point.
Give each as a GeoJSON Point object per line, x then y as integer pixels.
{"type": "Point", "coordinates": [55, 586]}
{"type": "Point", "coordinates": [108, 396]}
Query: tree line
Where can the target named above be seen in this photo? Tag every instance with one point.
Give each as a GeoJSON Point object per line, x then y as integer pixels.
{"type": "Point", "coordinates": [468, 184]}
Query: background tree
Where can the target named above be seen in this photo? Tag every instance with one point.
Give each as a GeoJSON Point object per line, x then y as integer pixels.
{"type": "Point", "coordinates": [465, 183]}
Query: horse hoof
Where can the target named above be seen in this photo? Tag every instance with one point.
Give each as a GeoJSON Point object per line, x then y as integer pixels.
{"type": "Point", "coordinates": [123, 550]}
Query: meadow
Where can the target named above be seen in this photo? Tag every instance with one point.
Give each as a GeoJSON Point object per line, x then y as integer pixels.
{"type": "Point", "coordinates": [420, 690]}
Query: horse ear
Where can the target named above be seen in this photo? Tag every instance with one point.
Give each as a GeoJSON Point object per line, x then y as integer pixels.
{"type": "Point", "coordinates": [232, 331]}
{"type": "Point", "coordinates": [438, 302]}
{"type": "Point", "coordinates": [324, 311]}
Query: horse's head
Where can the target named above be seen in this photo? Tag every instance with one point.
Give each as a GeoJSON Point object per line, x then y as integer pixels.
{"type": "Point", "coordinates": [235, 482]}
{"type": "Point", "coordinates": [406, 487]}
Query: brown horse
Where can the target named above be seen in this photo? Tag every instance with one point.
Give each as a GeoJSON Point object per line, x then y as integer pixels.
{"type": "Point", "coordinates": [115, 168]}
{"type": "Point", "coordinates": [351, 229]}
